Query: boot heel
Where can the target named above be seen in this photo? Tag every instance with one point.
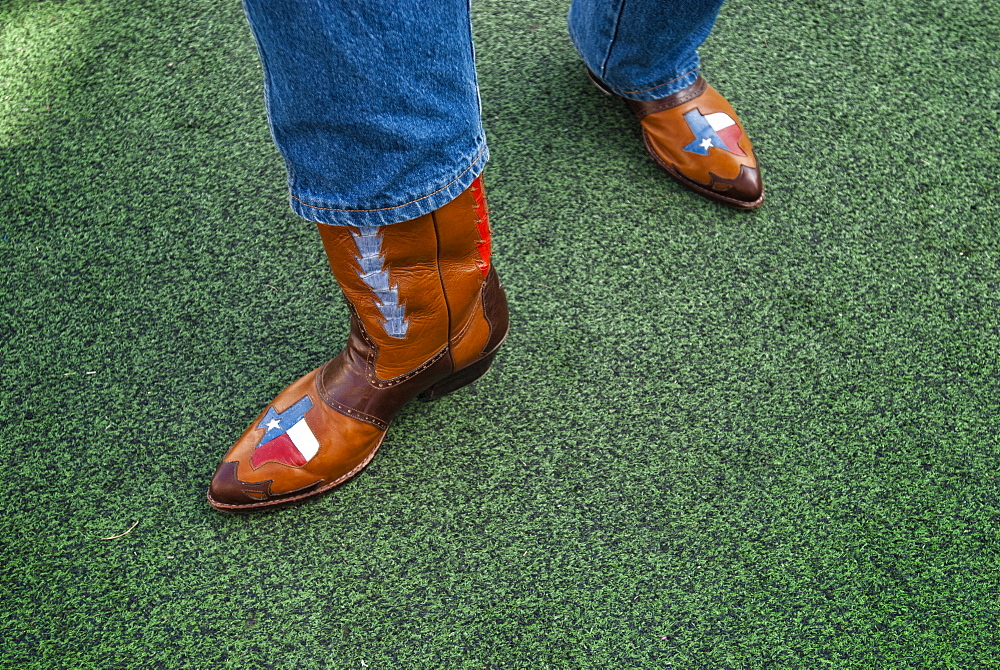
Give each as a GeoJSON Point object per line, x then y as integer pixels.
{"type": "Point", "coordinates": [457, 380]}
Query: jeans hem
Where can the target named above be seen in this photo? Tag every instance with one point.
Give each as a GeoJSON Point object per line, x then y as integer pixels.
{"type": "Point", "coordinates": [661, 90]}
{"type": "Point", "coordinates": [384, 216]}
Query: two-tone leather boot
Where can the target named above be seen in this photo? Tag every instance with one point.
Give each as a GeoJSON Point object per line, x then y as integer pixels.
{"type": "Point", "coordinates": [695, 136]}
{"type": "Point", "coordinates": [427, 316]}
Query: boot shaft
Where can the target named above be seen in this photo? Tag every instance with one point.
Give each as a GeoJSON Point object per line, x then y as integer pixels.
{"type": "Point", "coordinates": [464, 240]}
{"type": "Point", "coordinates": [419, 286]}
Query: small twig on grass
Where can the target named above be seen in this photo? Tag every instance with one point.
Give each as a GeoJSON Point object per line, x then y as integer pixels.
{"type": "Point", "coordinates": [115, 537]}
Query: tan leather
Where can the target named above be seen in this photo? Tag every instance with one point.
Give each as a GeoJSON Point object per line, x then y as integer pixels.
{"type": "Point", "coordinates": [346, 446]}
{"type": "Point", "coordinates": [663, 128]}
{"type": "Point", "coordinates": [456, 316]}
{"type": "Point", "coordinates": [461, 264]}
{"type": "Point", "coordinates": [728, 175]}
{"type": "Point", "coordinates": [410, 256]}
{"type": "Point", "coordinates": [346, 383]}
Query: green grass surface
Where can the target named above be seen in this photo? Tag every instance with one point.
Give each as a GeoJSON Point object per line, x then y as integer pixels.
{"type": "Point", "coordinates": [713, 439]}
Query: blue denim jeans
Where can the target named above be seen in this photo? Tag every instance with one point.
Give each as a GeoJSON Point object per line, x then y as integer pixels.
{"type": "Point", "coordinates": [375, 107]}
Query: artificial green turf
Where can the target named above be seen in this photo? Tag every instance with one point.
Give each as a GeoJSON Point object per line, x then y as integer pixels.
{"type": "Point", "coordinates": [713, 439]}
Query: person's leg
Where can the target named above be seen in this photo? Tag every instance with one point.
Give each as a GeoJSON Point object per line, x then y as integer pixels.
{"type": "Point", "coordinates": [379, 124]}
{"type": "Point", "coordinates": [642, 49]}
{"type": "Point", "coordinates": [645, 52]}
{"type": "Point", "coordinates": [373, 104]}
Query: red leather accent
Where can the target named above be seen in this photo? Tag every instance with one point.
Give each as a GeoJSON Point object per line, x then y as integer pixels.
{"type": "Point", "coordinates": [485, 244]}
{"type": "Point", "coordinates": [280, 450]}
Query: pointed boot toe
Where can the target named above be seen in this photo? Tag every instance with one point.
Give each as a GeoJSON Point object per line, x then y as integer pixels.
{"type": "Point", "coordinates": [696, 137]}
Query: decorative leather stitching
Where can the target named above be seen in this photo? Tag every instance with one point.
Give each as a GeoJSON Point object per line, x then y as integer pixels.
{"type": "Point", "coordinates": [375, 274]}
{"type": "Point", "coordinates": [485, 244]}
{"type": "Point", "coordinates": [285, 500]}
{"type": "Point", "coordinates": [372, 354]}
{"type": "Point", "coordinates": [351, 412]}
{"type": "Point", "coordinates": [694, 185]}
{"type": "Point", "coordinates": [388, 383]}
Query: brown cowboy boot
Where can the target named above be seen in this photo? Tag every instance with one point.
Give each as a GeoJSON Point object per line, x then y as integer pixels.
{"type": "Point", "coordinates": [427, 316]}
{"type": "Point", "coordinates": [695, 136]}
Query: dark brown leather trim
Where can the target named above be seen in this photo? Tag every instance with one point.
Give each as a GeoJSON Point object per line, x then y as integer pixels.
{"type": "Point", "coordinates": [231, 490]}
{"type": "Point", "coordinates": [495, 310]}
{"type": "Point", "coordinates": [743, 185]}
{"type": "Point", "coordinates": [234, 495]}
{"type": "Point", "coordinates": [355, 395]}
{"type": "Point", "coordinates": [643, 108]}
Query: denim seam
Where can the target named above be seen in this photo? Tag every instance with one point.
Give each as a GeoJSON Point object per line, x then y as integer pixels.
{"type": "Point", "coordinates": [653, 88]}
{"type": "Point", "coordinates": [614, 36]}
{"type": "Point", "coordinates": [266, 77]}
{"type": "Point", "coordinates": [475, 162]}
